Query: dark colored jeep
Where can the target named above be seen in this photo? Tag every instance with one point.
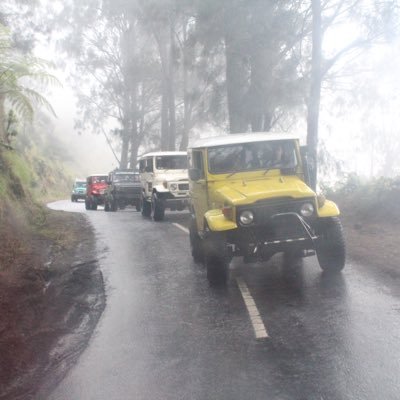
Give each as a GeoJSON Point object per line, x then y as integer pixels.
{"type": "Point", "coordinates": [123, 190]}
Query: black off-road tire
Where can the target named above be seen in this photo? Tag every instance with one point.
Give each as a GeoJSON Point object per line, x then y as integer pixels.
{"type": "Point", "coordinates": [94, 204]}
{"type": "Point", "coordinates": [157, 208]}
{"type": "Point", "coordinates": [87, 204]}
{"type": "Point", "coordinates": [145, 207]}
{"type": "Point", "coordinates": [113, 205]}
{"type": "Point", "coordinates": [138, 207]}
{"type": "Point", "coordinates": [331, 248]}
{"type": "Point", "coordinates": [216, 259]}
{"type": "Point", "coordinates": [196, 243]}
{"type": "Point", "coordinates": [106, 206]}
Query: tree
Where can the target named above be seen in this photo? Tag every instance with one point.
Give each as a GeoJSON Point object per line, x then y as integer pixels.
{"type": "Point", "coordinates": [370, 30]}
{"type": "Point", "coordinates": [108, 46]}
{"type": "Point", "coordinates": [262, 47]}
{"type": "Point", "coordinates": [16, 72]}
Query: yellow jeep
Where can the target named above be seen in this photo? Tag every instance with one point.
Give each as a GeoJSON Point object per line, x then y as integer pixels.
{"type": "Point", "coordinates": [249, 197]}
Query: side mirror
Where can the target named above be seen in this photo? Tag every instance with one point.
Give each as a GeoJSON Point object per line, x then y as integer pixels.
{"type": "Point", "coordinates": [194, 174]}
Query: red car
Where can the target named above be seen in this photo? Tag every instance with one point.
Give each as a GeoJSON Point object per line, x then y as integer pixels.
{"type": "Point", "coordinates": [95, 188]}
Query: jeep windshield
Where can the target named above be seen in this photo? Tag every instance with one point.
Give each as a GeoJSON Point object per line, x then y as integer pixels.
{"type": "Point", "coordinates": [171, 162]}
{"type": "Point", "coordinates": [99, 179]}
{"type": "Point", "coordinates": [126, 178]}
{"type": "Point", "coordinates": [254, 156]}
{"type": "Point", "coordinates": [80, 185]}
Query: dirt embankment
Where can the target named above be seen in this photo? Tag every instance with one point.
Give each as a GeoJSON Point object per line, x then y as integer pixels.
{"type": "Point", "coordinates": [51, 297]}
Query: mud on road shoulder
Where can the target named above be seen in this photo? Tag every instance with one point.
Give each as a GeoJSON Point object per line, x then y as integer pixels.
{"type": "Point", "coordinates": [51, 298]}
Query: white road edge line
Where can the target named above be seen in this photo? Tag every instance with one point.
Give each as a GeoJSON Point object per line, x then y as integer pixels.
{"type": "Point", "coordinates": [182, 228]}
{"type": "Point", "coordinates": [255, 318]}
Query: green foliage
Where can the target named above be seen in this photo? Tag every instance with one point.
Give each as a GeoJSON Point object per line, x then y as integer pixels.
{"type": "Point", "coordinates": [32, 176]}
{"type": "Point", "coordinates": [17, 73]}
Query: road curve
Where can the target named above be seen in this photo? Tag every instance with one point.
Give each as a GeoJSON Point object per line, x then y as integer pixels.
{"type": "Point", "coordinates": [166, 334]}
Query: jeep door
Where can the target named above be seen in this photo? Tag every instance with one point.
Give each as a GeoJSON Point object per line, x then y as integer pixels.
{"type": "Point", "coordinates": [146, 169]}
{"type": "Point", "coordinates": [198, 187]}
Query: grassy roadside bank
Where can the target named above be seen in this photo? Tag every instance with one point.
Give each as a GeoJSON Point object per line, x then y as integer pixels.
{"type": "Point", "coordinates": [49, 280]}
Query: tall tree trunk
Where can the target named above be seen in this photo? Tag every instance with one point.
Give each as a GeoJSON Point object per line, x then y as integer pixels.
{"type": "Point", "coordinates": [171, 88]}
{"type": "Point", "coordinates": [236, 86]}
{"type": "Point", "coordinates": [162, 46]}
{"type": "Point", "coordinates": [257, 93]}
{"type": "Point", "coordinates": [130, 110]}
{"type": "Point", "coordinates": [125, 147]}
{"type": "Point", "coordinates": [186, 99]}
{"type": "Point", "coordinates": [135, 143]}
{"type": "Point", "coordinates": [315, 90]}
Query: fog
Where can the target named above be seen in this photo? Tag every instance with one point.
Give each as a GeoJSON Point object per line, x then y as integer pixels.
{"type": "Point", "coordinates": [90, 151]}
{"type": "Point", "coordinates": [160, 83]}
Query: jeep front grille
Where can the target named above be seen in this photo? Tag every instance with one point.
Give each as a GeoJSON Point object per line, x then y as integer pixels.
{"type": "Point", "coordinates": [265, 210]}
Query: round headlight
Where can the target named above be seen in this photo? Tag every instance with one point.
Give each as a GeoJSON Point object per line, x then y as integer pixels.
{"type": "Point", "coordinates": [307, 209]}
{"type": "Point", "coordinates": [173, 187]}
{"type": "Point", "coordinates": [246, 217]}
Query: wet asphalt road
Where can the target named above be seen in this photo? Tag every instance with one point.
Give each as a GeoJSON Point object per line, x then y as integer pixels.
{"type": "Point", "coordinates": [165, 334]}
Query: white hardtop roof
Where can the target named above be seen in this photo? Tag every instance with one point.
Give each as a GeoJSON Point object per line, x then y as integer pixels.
{"type": "Point", "coordinates": [163, 153]}
{"type": "Point", "coordinates": [236, 138]}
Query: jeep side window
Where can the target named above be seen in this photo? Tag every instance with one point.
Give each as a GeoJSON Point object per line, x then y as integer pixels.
{"type": "Point", "coordinates": [197, 162]}
{"type": "Point", "coordinates": [142, 165]}
{"type": "Point", "coordinates": [149, 165]}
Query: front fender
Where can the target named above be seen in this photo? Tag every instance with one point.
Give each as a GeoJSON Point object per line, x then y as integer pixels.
{"type": "Point", "coordinates": [217, 222]}
{"type": "Point", "coordinates": [160, 189]}
{"type": "Point", "coordinates": [329, 209]}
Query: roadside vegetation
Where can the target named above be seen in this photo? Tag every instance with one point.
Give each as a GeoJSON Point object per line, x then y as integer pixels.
{"type": "Point", "coordinates": [370, 214]}
{"type": "Point", "coordinates": [37, 246]}
{"type": "Point", "coordinates": [368, 200]}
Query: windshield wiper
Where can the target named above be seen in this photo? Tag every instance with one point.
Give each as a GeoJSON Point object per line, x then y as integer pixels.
{"type": "Point", "coordinates": [232, 173]}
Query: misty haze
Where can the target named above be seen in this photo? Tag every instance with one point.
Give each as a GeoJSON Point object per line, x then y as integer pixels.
{"type": "Point", "coordinates": [199, 199]}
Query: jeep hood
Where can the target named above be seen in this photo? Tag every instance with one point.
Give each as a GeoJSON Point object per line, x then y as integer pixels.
{"type": "Point", "coordinates": [126, 184]}
{"type": "Point", "coordinates": [248, 192]}
{"type": "Point", "coordinates": [172, 175]}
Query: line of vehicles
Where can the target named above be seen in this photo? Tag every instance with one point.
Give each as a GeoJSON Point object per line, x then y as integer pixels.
{"type": "Point", "coordinates": [248, 195]}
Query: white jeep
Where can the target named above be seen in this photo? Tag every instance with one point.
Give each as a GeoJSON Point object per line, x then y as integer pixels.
{"type": "Point", "coordinates": [164, 181]}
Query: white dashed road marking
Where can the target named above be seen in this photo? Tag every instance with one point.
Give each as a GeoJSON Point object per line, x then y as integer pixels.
{"type": "Point", "coordinates": [182, 228]}
{"type": "Point", "coordinates": [255, 318]}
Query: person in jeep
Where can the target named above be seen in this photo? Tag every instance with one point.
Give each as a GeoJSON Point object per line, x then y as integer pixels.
{"type": "Point", "coordinates": [249, 197]}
